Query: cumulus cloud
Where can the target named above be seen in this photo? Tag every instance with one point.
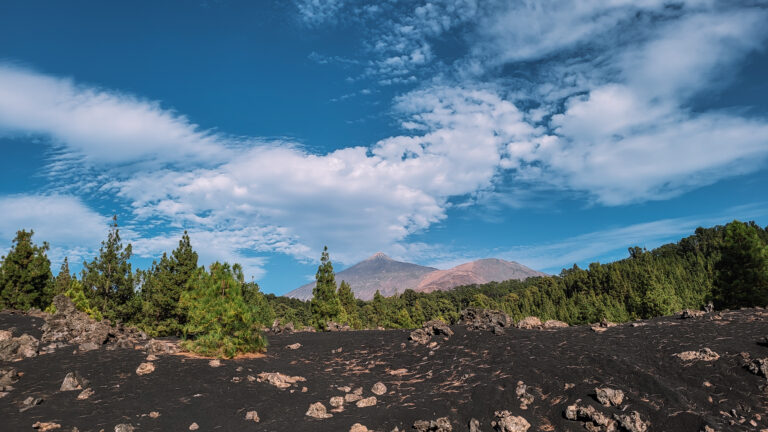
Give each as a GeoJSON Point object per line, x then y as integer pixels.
{"type": "Point", "coordinates": [357, 200]}
{"type": "Point", "coordinates": [71, 227]}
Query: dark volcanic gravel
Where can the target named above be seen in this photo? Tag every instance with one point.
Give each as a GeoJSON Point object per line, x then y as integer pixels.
{"type": "Point", "coordinates": [469, 376]}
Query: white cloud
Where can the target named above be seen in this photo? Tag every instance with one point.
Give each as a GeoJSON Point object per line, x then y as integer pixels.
{"type": "Point", "coordinates": [356, 200]}
{"type": "Point", "coordinates": [65, 222]}
{"type": "Point", "coordinates": [100, 126]}
{"type": "Point", "coordinates": [315, 12]}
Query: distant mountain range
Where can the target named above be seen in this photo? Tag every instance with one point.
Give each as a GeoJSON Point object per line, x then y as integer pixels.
{"type": "Point", "coordinates": [391, 277]}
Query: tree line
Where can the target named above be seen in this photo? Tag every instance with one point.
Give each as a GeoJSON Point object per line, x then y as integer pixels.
{"type": "Point", "coordinates": [217, 312]}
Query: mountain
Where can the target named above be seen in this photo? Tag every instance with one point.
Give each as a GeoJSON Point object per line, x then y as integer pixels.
{"type": "Point", "coordinates": [475, 272]}
{"type": "Point", "coordinates": [378, 272]}
{"type": "Point", "coordinates": [390, 277]}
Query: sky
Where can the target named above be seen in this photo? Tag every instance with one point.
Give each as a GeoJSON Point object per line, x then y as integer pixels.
{"type": "Point", "coordinates": [547, 132]}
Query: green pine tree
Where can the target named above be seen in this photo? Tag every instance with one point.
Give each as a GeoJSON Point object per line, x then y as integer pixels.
{"type": "Point", "coordinates": [26, 280]}
{"type": "Point", "coordinates": [63, 279]}
{"type": "Point", "coordinates": [161, 288]}
{"type": "Point", "coordinates": [742, 272]}
{"type": "Point", "coordinates": [349, 305]}
{"type": "Point", "coordinates": [108, 279]}
{"type": "Point", "coordinates": [219, 320]}
{"type": "Point", "coordinates": [325, 302]}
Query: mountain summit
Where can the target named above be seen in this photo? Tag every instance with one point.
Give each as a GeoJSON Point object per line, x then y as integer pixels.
{"type": "Point", "coordinates": [390, 277]}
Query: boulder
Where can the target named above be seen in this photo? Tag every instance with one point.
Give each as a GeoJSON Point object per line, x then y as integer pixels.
{"type": "Point", "coordinates": [420, 336]}
{"type": "Point", "coordinates": [15, 348]}
{"type": "Point", "coordinates": [440, 425]}
{"type": "Point", "coordinates": [379, 388]}
{"type": "Point", "coordinates": [506, 422]}
{"type": "Point", "coordinates": [279, 380]}
{"type": "Point", "coordinates": [485, 319]}
{"type": "Point", "coordinates": [73, 381]}
{"type": "Point", "coordinates": [317, 410]}
{"type": "Point", "coordinates": [124, 427]}
{"type": "Point", "coordinates": [252, 416]}
{"type": "Point", "coordinates": [608, 396]}
{"type": "Point", "coordinates": [552, 324]}
{"type": "Point", "coordinates": [759, 367]}
{"type": "Point", "coordinates": [530, 322]}
{"type": "Point", "coordinates": [367, 402]}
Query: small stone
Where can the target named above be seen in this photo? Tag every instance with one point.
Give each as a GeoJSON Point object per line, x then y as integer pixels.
{"type": "Point", "coordinates": [358, 391]}
{"type": "Point", "coordinates": [704, 354]}
{"type": "Point", "coordinates": [124, 427]}
{"type": "Point", "coordinates": [154, 414]}
{"type": "Point", "coordinates": [506, 422]}
{"type": "Point", "coordinates": [214, 363]}
{"type": "Point", "coordinates": [145, 368]}
{"type": "Point", "coordinates": [379, 388]}
{"type": "Point", "coordinates": [252, 416]}
{"type": "Point", "coordinates": [632, 422]}
{"type": "Point", "coordinates": [29, 403]}
{"type": "Point", "coordinates": [73, 381]}
{"type": "Point", "coordinates": [369, 401]}
{"type": "Point", "coordinates": [474, 425]}
{"type": "Point", "coordinates": [88, 346]}
{"type": "Point", "coordinates": [337, 401]}
{"type": "Point", "coordinates": [357, 427]}
{"type": "Point", "coordinates": [46, 426]}
{"type": "Point", "coordinates": [608, 396]}
{"type": "Point", "coordinates": [85, 394]}
{"type": "Point", "coordinates": [351, 397]}
{"type": "Point", "coordinates": [194, 427]}
{"type": "Point", "coordinates": [317, 410]}
{"type": "Point", "coordinates": [151, 358]}
{"type": "Point", "coordinates": [294, 346]}
{"type": "Point", "coordinates": [345, 389]}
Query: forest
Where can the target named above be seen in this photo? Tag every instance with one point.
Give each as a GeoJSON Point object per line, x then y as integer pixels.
{"type": "Point", "coordinates": [217, 312]}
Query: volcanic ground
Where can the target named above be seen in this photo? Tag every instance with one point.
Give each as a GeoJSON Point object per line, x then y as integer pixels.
{"type": "Point", "coordinates": [468, 376]}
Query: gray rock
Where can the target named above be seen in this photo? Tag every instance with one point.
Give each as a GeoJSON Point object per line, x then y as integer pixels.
{"type": "Point", "coordinates": [124, 427]}
{"type": "Point", "coordinates": [29, 403]}
{"type": "Point", "coordinates": [317, 410]}
{"type": "Point", "coordinates": [632, 422]}
{"type": "Point", "coordinates": [440, 425]}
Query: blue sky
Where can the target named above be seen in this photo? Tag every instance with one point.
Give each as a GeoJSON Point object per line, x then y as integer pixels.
{"type": "Point", "coordinates": [546, 132]}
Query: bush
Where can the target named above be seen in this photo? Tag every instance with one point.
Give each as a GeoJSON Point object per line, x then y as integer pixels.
{"type": "Point", "coordinates": [220, 323]}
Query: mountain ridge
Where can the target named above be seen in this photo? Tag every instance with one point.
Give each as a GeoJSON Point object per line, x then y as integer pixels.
{"type": "Point", "coordinates": [390, 277]}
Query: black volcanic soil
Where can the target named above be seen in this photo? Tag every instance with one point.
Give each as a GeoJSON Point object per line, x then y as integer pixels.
{"type": "Point", "coordinates": [469, 376]}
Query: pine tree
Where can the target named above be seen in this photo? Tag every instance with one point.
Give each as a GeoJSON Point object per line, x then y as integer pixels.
{"type": "Point", "coordinates": [742, 272]}
{"type": "Point", "coordinates": [63, 279]}
{"type": "Point", "coordinates": [26, 280]}
{"type": "Point", "coordinates": [108, 278]}
{"type": "Point", "coordinates": [161, 288]}
{"type": "Point", "coordinates": [349, 305]}
{"type": "Point", "coordinates": [325, 302]}
{"type": "Point", "coordinates": [220, 322]}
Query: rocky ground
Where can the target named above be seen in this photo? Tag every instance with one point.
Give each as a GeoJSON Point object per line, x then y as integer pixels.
{"type": "Point", "coordinates": [702, 373]}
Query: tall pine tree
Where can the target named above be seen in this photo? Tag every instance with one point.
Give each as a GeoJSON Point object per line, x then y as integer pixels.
{"type": "Point", "coordinates": [108, 278]}
{"type": "Point", "coordinates": [26, 280]}
{"type": "Point", "coordinates": [742, 272]}
{"type": "Point", "coordinates": [161, 288]}
{"type": "Point", "coordinates": [325, 302]}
